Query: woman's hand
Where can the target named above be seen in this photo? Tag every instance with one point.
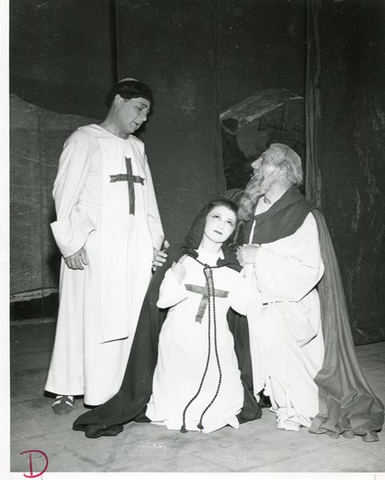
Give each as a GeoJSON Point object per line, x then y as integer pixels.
{"type": "Point", "coordinates": [179, 270]}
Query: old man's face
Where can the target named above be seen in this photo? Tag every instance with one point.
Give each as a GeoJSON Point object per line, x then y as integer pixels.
{"type": "Point", "coordinates": [264, 171]}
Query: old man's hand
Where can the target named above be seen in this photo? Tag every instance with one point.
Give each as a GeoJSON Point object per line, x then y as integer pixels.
{"type": "Point", "coordinates": [246, 254]}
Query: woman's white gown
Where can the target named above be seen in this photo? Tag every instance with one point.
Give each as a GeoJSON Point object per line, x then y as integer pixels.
{"type": "Point", "coordinates": [183, 351]}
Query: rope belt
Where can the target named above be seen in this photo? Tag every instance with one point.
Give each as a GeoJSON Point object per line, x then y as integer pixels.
{"type": "Point", "coordinates": [208, 272]}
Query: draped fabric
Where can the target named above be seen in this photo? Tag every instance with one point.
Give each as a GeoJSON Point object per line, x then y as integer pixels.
{"type": "Point", "coordinates": [345, 167]}
{"type": "Point", "coordinates": [347, 404]}
{"type": "Point", "coordinates": [281, 220]}
{"type": "Point", "coordinates": [131, 400]}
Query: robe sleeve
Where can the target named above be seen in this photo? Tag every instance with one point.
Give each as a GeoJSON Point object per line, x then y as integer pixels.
{"type": "Point", "coordinates": [245, 291]}
{"type": "Point", "coordinates": [154, 220]}
{"type": "Point", "coordinates": [73, 226]}
{"type": "Point", "coordinates": [288, 269]}
{"type": "Point", "coordinates": [171, 291]}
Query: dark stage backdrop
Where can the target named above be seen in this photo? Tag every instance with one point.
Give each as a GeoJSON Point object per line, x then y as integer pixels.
{"type": "Point", "coordinates": [63, 54]}
{"type": "Point", "coordinates": [177, 56]}
{"type": "Point", "coordinates": [62, 61]}
{"type": "Point", "coordinates": [202, 57]}
{"type": "Point", "coordinates": [346, 148]}
{"type": "Point", "coordinates": [262, 45]}
{"type": "Point", "coordinates": [37, 138]}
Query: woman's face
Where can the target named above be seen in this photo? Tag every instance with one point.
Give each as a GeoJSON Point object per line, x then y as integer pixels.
{"type": "Point", "coordinates": [220, 224]}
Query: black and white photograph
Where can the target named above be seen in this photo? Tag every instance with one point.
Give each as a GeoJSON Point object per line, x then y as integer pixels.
{"type": "Point", "coordinates": [192, 261]}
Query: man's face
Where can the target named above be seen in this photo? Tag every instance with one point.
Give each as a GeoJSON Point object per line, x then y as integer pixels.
{"type": "Point", "coordinates": [264, 171]}
{"type": "Point", "coordinates": [131, 114]}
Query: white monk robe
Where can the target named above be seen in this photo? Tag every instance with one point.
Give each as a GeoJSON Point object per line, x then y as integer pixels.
{"type": "Point", "coordinates": [183, 351]}
{"type": "Point", "coordinates": [100, 305]}
{"type": "Point", "coordinates": [286, 338]}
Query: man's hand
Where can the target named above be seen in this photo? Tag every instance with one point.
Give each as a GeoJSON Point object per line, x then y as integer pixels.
{"type": "Point", "coordinates": [160, 257]}
{"type": "Point", "coordinates": [246, 254]}
{"type": "Point", "coordinates": [77, 260]}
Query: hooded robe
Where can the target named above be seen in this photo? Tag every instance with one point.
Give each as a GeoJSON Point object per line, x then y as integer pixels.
{"type": "Point", "coordinates": [131, 401]}
{"type": "Point", "coordinates": [346, 403]}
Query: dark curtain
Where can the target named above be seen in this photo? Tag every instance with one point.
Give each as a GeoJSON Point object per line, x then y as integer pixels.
{"type": "Point", "coordinates": [174, 49]}
{"type": "Point", "coordinates": [345, 110]}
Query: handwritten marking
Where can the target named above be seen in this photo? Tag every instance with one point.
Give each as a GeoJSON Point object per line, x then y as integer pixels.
{"type": "Point", "coordinates": [39, 474]}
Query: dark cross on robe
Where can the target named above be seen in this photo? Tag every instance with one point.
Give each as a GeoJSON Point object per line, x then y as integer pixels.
{"type": "Point", "coordinates": [130, 179]}
{"type": "Point", "coordinates": [205, 298]}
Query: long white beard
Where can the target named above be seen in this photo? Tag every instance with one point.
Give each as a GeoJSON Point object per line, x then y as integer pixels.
{"type": "Point", "coordinates": [250, 196]}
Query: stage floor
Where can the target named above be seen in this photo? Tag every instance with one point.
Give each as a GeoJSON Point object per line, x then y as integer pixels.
{"type": "Point", "coordinates": [255, 447]}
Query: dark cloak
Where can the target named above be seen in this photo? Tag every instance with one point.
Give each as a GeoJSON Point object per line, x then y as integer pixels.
{"type": "Point", "coordinates": [130, 402]}
{"type": "Point", "coordinates": [347, 404]}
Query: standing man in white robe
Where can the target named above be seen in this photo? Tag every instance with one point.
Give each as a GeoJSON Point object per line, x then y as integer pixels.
{"type": "Point", "coordinates": [108, 230]}
{"type": "Point", "coordinates": [301, 345]}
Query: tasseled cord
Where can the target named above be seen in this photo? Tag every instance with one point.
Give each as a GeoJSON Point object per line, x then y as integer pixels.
{"type": "Point", "coordinates": [207, 270]}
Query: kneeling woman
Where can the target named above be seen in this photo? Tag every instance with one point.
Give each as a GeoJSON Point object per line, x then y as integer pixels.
{"type": "Point", "coordinates": [197, 383]}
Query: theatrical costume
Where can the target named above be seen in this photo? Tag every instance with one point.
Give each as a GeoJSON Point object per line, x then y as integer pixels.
{"type": "Point", "coordinates": [131, 401]}
{"type": "Point", "coordinates": [105, 201]}
{"type": "Point", "coordinates": [300, 338]}
{"type": "Point", "coordinates": [197, 381]}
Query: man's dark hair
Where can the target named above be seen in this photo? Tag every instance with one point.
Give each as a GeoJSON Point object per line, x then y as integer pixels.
{"type": "Point", "coordinates": [130, 89]}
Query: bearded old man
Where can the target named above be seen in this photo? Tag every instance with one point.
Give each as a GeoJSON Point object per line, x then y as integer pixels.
{"type": "Point", "coordinates": [300, 338]}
